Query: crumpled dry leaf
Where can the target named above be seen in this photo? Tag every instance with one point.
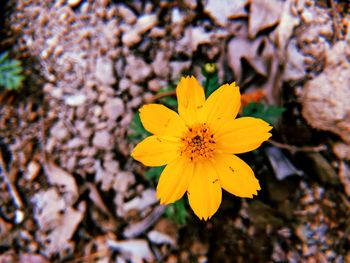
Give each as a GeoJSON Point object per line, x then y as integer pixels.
{"type": "Point", "coordinates": [222, 10]}
{"type": "Point", "coordinates": [294, 67]}
{"type": "Point", "coordinates": [285, 27]}
{"type": "Point", "coordinates": [263, 14]}
{"type": "Point", "coordinates": [57, 221]}
{"type": "Point", "coordinates": [64, 180]}
{"type": "Point", "coordinates": [281, 165]}
{"type": "Point", "coordinates": [193, 37]}
{"type": "Point", "coordinates": [257, 53]}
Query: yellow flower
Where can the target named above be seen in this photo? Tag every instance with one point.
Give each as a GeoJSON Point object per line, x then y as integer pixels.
{"type": "Point", "coordinates": [198, 146]}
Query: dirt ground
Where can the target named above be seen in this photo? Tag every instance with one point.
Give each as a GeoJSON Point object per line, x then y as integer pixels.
{"type": "Point", "coordinates": [70, 192]}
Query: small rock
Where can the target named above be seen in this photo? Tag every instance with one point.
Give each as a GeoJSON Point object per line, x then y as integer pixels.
{"type": "Point", "coordinates": [111, 166]}
{"type": "Point", "coordinates": [177, 67]}
{"type": "Point", "coordinates": [75, 143]}
{"type": "Point", "coordinates": [176, 16]}
{"type": "Point", "coordinates": [102, 140]}
{"type": "Point", "coordinates": [159, 238]}
{"type": "Point", "coordinates": [145, 23]}
{"type": "Point", "coordinates": [135, 250]}
{"type": "Point", "coordinates": [122, 181]}
{"type": "Point", "coordinates": [59, 131]}
{"type": "Point", "coordinates": [160, 65]}
{"type": "Point", "coordinates": [131, 38]}
{"type": "Point", "coordinates": [114, 108]}
{"type": "Point", "coordinates": [32, 171]}
{"type": "Point", "coordinates": [156, 84]}
{"type": "Point", "coordinates": [127, 14]}
{"type": "Point", "coordinates": [137, 69]}
{"type": "Point", "coordinates": [104, 71]}
{"type": "Point", "coordinates": [124, 84]}
{"type": "Point", "coordinates": [342, 150]}
{"type": "Point", "coordinates": [135, 90]}
{"type": "Point", "coordinates": [73, 3]}
{"type": "Point", "coordinates": [75, 100]}
{"type": "Point", "coordinates": [157, 32]}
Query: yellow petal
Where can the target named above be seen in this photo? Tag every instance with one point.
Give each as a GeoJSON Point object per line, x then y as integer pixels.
{"type": "Point", "coordinates": [156, 150]}
{"type": "Point", "coordinates": [190, 98]}
{"type": "Point", "coordinates": [204, 191]}
{"type": "Point", "coordinates": [242, 135]}
{"type": "Point", "coordinates": [160, 120]}
{"type": "Point", "coordinates": [235, 176]}
{"type": "Point", "coordinates": [222, 105]}
{"type": "Point", "coordinates": [174, 180]}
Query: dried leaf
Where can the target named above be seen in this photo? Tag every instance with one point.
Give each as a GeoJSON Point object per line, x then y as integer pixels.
{"type": "Point", "coordinates": [286, 26]}
{"type": "Point", "coordinates": [281, 165]}
{"type": "Point", "coordinates": [64, 180]}
{"type": "Point", "coordinates": [222, 10]}
{"type": "Point", "coordinates": [263, 14]}
{"type": "Point", "coordinates": [57, 221]}
{"type": "Point", "coordinates": [295, 68]}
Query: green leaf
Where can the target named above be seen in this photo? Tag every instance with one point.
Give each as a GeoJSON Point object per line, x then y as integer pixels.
{"type": "Point", "coordinates": [211, 82]}
{"type": "Point", "coordinates": [177, 211]}
{"type": "Point", "coordinates": [269, 113]}
{"type": "Point", "coordinates": [153, 173]}
{"type": "Point", "coordinates": [137, 132]}
{"type": "Point", "coordinates": [10, 72]}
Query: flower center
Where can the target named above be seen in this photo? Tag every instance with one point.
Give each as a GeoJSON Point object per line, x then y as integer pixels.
{"type": "Point", "coordinates": [198, 143]}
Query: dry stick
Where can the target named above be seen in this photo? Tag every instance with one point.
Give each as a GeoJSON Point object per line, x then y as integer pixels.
{"type": "Point", "coordinates": [295, 149]}
{"type": "Point", "coordinates": [12, 189]}
{"type": "Point", "coordinates": [162, 95]}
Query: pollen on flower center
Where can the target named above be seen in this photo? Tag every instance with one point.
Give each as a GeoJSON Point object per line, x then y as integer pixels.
{"type": "Point", "coordinates": [198, 143]}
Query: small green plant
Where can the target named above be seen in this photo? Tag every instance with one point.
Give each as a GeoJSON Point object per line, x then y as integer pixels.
{"type": "Point", "coordinates": [11, 72]}
{"type": "Point", "coordinates": [269, 113]}
{"type": "Point", "coordinates": [178, 210]}
{"type": "Point", "coordinates": [211, 82]}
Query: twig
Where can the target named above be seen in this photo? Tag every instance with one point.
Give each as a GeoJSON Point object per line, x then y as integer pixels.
{"type": "Point", "coordinates": [12, 189]}
{"type": "Point", "coordinates": [162, 95]}
{"type": "Point", "coordinates": [294, 149]}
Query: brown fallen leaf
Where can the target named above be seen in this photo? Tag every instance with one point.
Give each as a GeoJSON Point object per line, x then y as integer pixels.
{"type": "Point", "coordinates": [64, 180]}
{"type": "Point", "coordinates": [263, 14]}
{"type": "Point", "coordinates": [285, 28]}
{"type": "Point", "coordinates": [221, 11]}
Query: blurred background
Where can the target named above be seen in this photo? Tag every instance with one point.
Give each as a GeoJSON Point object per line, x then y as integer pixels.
{"type": "Point", "coordinates": [73, 75]}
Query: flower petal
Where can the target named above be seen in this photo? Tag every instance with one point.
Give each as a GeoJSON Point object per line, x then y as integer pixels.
{"type": "Point", "coordinates": [242, 135]}
{"type": "Point", "coordinates": [190, 98]}
{"type": "Point", "coordinates": [174, 180]}
{"type": "Point", "coordinates": [235, 176]}
{"type": "Point", "coordinates": [160, 120]}
{"type": "Point", "coordinates": [204, 191]}
{"type": "Point", "coordinates": [156, 150]}
{"type": "Point", "coordinates": [222, 105]}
